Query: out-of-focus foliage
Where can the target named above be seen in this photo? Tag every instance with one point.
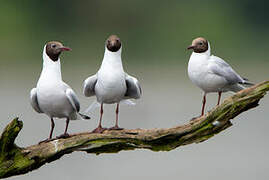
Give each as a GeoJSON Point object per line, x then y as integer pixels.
{"type": "Point", "coordinates": [155, 30]}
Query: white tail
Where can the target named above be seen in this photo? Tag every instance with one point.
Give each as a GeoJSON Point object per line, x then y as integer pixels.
{"type": "Point", "coordinates": [93, 106]}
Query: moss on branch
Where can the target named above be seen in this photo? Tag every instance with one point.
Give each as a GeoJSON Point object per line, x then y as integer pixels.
{"type": "Point", "coordinates": [15, 160]}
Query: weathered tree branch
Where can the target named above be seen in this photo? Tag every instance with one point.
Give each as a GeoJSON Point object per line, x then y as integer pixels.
{"type": "Point", "coordinates": [15, 160]}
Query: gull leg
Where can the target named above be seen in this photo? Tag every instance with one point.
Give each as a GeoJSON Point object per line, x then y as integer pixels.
{"type": "Point", "coordinates": [65, 134]}
{"type": "Point", "coordinates": [51, 131]}
{"type": "Point", "coordinates": [219, 98]}
{"type": "Point", "coordinates": [52, 127]}
{"type": "Point", "coordinates": [100, 129]}
{"type": "Point", "coordinates": [203, 107]}
{"type": "Point", "coordinates": [116, 127]}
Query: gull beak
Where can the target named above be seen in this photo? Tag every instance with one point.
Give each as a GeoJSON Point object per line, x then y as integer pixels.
{"type": "Point", "coordinates": [190, 47]}
{"type": "Point", "coordinates": [113, 43]}
{"type": "Point", "coordinates": [65, 48]}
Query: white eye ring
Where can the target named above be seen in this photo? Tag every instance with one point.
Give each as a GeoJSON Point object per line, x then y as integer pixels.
{"type": "Point", "coordinates": [53, 45]}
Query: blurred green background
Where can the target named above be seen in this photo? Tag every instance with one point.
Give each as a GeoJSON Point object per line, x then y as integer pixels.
{"type": "Point", "coordinates": [155, 35]}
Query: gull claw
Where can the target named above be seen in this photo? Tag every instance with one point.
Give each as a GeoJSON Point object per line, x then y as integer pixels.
{"type": "Point", "coordinates": [99, 130]}
{"type": "Point", "coordinates": [63, 136]}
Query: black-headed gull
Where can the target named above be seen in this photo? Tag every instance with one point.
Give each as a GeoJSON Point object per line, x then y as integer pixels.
{"type": "Point", "coordinates": [211, 73]}
{"type": "Point", "coordinates": [111, 84]}
{"type": "Point", "coordinates": [52, 96]}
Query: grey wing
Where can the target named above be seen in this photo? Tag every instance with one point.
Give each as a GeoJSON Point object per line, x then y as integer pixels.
{"type": "Point", "coordinates": [133, 87]}
{"type": "Point", "coordinates": [89, 85]}
{"type": "Point", "coordinates": [72, 97]}
{"type": "Point", "coordinates": [34, 102]}
{"type": "Point", "coordinates": [220, 67]}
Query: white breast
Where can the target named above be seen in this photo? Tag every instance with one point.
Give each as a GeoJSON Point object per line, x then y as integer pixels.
{"type": "Point", "coordinates": [111, 85]}
{"type": "Point", "coordinates": [200, 74]}
{"type": "Point", "coordinates": [52, 99]}
{"type": "Point", "coordinates": [51, 90]}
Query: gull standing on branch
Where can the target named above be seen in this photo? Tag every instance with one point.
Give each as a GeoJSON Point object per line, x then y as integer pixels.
{"type": "Point", "coordinates": [52, 96]}
{"type": "Point", "coordinates": [111, 84]}
{"type": "Point", "coordinates": [211, 73]}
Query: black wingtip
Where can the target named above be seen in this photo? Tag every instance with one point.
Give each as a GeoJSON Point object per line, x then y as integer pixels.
{"type": "Point", "coordinates": [245, 79]}
{"type": "Point", "coordinates": [247, 83]}
{"type": "Point", "coordinates": [84, 116]}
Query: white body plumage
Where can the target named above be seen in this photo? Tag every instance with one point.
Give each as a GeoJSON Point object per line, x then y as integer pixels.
{"type": "Point", "coordinates": [212, 74]}
{"type": "Point", "coordinates": [111, 85]}
{"type": "Point", "coordinates": [54, 97]}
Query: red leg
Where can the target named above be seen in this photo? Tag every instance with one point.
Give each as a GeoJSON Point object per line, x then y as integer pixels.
{"type": "Point", "coordinates": [100, 129]}
{"type": "Point", "coordinates": [219, 98]}
{"type": "Point", "coordinates": [66, 126]}
{"type": "Point", "coordinates": [203, 107]}
{"type": "Point", "coordinates": [65, 134]}
{"type": "Point", "coordinates": [116, 127]}
{"type": "Point", "coordinates": [52, 127]}
{"type": "Point", "coordinates": [51, 131]}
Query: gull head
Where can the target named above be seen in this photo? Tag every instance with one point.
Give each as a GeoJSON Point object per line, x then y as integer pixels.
{"type": "Point", "coordinates": [54, 49]}
{"type": "Point", "coordinates": [113, 43]}
{"type": "Point", "coordinates": [199, 45]}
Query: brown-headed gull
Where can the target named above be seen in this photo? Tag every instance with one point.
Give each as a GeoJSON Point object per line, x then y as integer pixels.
{"type": "Point", "coordinates": [111, 84]}
{"type": "Point", "coordinates": [52, 96]}
{"type": "Point", "coordinates": [211, 73]}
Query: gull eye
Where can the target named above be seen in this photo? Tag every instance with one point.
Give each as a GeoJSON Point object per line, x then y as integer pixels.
{"type": "Point", "coordinates": [53, 45]}
{"type": "Point", "coordinates": [200, 43]}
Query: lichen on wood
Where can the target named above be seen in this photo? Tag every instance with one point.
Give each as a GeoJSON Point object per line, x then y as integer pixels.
{"type": "Point", "coordinates": [16, 160]}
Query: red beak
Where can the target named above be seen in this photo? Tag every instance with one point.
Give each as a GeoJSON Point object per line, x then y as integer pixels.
{"type": "Point", "coordinates": [65, 48]}
{"type": "Point", "coordinates": [190, 47]}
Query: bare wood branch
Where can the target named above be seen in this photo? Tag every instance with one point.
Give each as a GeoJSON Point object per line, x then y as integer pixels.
{"type": "Point", "coordinates": [15, 160]}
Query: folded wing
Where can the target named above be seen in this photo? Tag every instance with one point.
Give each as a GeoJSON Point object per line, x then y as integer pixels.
{"type": "Point", "coordinates": [219, 67]}
{"type": "Point", "coordinates": [89, 85]}
{"type": "Point", "coordinates": [34, 102]}
{"type": "Point", "coordinates": [72, 97]}
{"type": "Point", "coordinates": [133, 87]}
